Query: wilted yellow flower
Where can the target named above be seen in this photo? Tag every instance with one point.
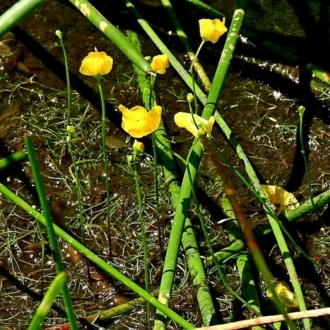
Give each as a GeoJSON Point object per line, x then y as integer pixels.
{"type": "Point", "coordinates": [138, 122]}
{"type": "Point", "coordinates": [284, 293]}
{"type": "Point", "coordinates": [212, 30]}
{"type": "Point", "coordinates": [160, 63]}
{"type": "Point", "coordinates": [185, 120]}
{"type": "Point", "coordinates": [138, 147]}
{"type": "Point", "coordinates": [282, 200]}
{"type": "Point", "coordinates": [96, 64]}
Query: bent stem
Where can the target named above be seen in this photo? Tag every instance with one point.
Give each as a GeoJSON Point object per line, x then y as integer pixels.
{"type": "Point", "coordinates": [301, 111]}
{"type": "Point", "coordinates": [77, 182]}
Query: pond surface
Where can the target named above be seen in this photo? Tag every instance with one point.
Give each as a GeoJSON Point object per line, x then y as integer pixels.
{"type": "Point", "coordinates": [262, 93]}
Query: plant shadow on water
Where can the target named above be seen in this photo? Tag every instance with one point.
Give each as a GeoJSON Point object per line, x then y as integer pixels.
{"type": "Point", "coordinates": [259, 102]}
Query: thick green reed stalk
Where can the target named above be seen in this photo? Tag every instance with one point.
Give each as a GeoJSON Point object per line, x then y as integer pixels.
{"type": "Point", "coordinates": [113, 272]}
{"type": "Point", "coordinates": [50, 229]}
{"type": "Point", "coordinates": [161, 46]}
{"type": "Point", "coordinates": [12, 159]}
{"type": "Point", "coordinates": [186, 44]}
{"type": "Point", "coordinates": [17, 13]}
{"type": "Point", "coordinates": [117, 37]}
{"type": "Point", "coordinates": [193, 162]}
{"type": "Point", "coordinates": [236, 246]}
{"type": "Point", "coordinates": [171, 175]}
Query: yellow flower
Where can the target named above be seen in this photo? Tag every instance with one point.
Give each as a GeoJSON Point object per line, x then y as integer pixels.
{"type": "Point", "coordinates": [212, 30]}
{"type": "Point", "coordinates": [96, 64]}
{"type": "Point", "coordinates": [138, 147]}
{"type": "Point", "coordinates": [282, 200]}
{"type": "Point", "coordinates": [160, 63]}
{"type": "Point", "coordinates": [138, 122]}
{"type": "Point", "coordinates": [185, 120]}
{"type": "Point", "coordinates": [284, 293]}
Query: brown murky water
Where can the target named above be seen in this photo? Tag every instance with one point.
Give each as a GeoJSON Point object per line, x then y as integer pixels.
{"type": "Point", "coordinates": [259, 102]}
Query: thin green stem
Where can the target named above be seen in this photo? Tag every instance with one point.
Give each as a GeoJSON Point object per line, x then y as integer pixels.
{"type": "Point", "coordinates": [43, 309]}
{"type": "Point", "coordinates": [67, 75]}
{"type": "Point", "coordinates": [301, 111]}
{"type": "Point", "coordinates": [143, 232]}
{"type": "Point", "coordinates": [106, 163]}
{"type": "Point", "coordinates": [210, 247]}
{"type": "Point", "coordinates": [193, 162]}
{"type": "Point", "coordinates": [191, 71]}
{"type": "Point", "coordinates": [77, 182]}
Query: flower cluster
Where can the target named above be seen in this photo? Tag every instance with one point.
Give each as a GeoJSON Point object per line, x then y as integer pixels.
{"type": "Point", "coordinates": [137, 121]}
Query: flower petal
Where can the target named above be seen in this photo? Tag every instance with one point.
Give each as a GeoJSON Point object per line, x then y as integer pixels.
{"type": "Point", "coordinates": [184, 120]}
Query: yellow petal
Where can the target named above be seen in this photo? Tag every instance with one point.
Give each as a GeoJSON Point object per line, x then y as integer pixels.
{"type": "Point", "coordinates": [194, 124]}
{"type": "Point", "coordinates": [212, 30]}
{"type": "Point", "coordinates": [184, 120]}
{"type": "Point", "coordinates": [209, 126]}
{"type": "Point", "coordinates": [284, 293]}
{"type": "Point", "coordinates": [96, 63]}
{"type": "Point", "coordinates": [282, 200]}
{"type": "Point", "coordinates": [138, 122]}
{"type": "Point", "coordinates": [160, 63]}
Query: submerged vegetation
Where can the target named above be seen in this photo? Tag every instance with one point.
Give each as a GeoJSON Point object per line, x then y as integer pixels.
{"type": "Point", "coordinates": [154, 187]}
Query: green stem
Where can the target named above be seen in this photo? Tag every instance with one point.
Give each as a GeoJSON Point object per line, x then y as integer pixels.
{"type": "Point", "coordinates": [106, 164]}
{"type": "Point", "coordinates": [17, 13]}
{"type": "Point", "coordinates": [301, 111]}
{"type": "Point", "coordinates": [256, 253]}
{"type": "Point", "coordinates": [236, 246]}
{"type": "Point", "coordinates": [67, 75]}
{"type": "Point", "coordinates": [192, 75]}
{"type": "Point", "coordinates": [193, 162]}
{"type": "Point", "coordinates": [12, 159]}
{"type": "Point", "coordinates": [143, 234]}
{"type": "Point", "coordinates": [78, 186]}
{"type": "Point", "coordinates": [50, 229]}
{"type": "Point", "coordinates": [185, 42]}
{"type": "Point", "coordinates": [43, 309]}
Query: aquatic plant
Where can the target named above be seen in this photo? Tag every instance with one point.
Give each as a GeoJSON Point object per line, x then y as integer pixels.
{"type": "Point", "coordinates": [182, 196]}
